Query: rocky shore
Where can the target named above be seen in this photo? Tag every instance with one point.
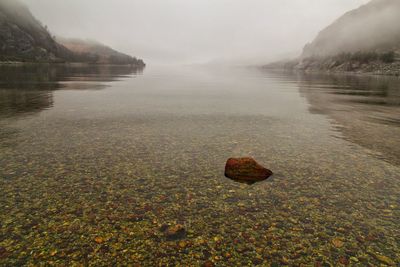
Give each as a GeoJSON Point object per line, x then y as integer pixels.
{"type": "Point", "coordinates": [332, 65]}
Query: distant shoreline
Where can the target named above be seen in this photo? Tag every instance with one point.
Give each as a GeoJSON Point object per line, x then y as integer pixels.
{"type": "Point", "coordinates": [355, 73]}
{"type": "Point", "coordinates": [76, 64]}
{"type": "Point", "coordinates": [351, 68]}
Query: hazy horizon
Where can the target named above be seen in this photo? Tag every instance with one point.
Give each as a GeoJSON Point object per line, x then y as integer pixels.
{"type": "Point", "coordinates": [178, 31]}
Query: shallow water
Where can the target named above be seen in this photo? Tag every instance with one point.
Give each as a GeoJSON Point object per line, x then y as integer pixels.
{"type": "Point", "coordinates": [96, 164]}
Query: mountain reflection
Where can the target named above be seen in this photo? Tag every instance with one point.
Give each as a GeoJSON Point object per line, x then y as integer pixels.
{"type": "Point", "coordinates": [19, 102]}
{"type": "Point", "coordinates": [365, 109]}
{"type": "Point", "coordinates": [27, 89]}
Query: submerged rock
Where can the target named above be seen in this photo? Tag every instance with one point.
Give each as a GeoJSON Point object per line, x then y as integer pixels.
{"type": "Point", "coordinates": [3, 252]}
{"type": "Point", "coordinates": [208, 264]}
{"type": "Point", "coordinates": [337, 242]}
{"type": "Point", "coordinates": [385, 260]}
{"type": "Point", "coordinates": [174, 232]}
{"type": "Point", "coordinates": [99, 240]}
{"type": "Point", "coordinates": [246, 170]}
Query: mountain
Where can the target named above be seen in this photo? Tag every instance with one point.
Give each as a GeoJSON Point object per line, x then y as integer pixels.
{"type": "Point", "coordinates": [25, 39]}
{"type": "Point", "coordinates": [366, 39]}
{"type": "Point", "coordinates": [98, 53]}
{"type": "Point", "coordinates": [372, 27]}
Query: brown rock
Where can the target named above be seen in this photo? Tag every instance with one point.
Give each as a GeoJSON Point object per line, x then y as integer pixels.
{"type": "Point", "coordinates": [208, 264]}
{"type": "Point", "coordinates": [246, 170]}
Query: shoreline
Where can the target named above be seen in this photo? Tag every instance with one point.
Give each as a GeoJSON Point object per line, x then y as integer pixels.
{"type": "Point", "coordinates": [364, 70]}
{"type": "Point", "coordinates": [355, 73]}
{"type": "Point", "coordinates": [72, 64]}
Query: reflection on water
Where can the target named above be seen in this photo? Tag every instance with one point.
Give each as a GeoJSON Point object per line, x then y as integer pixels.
{"type": "Point", "coordinates": [134, 174]}
{"type": "Point", "coordinates": [365, 108]}
{"type": "Point", "coordinates": [370, 90]}
{"type": "Point", "coordinates": [29, 88]}
{"type": "Point", "coordinates": [18, 102]}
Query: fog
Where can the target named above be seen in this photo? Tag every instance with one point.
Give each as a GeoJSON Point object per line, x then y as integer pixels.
{"type": "Point", "coordinates": [374, 27]}
{"type": "Point", "coordinates": [194, 31]}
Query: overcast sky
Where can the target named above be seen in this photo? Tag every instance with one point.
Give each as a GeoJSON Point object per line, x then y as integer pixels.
{"type": "Point", "coordinates": [194, 31]}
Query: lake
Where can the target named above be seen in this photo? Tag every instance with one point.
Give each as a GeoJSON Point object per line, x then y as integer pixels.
{"type": "Point", "coordinates": [99, 164]}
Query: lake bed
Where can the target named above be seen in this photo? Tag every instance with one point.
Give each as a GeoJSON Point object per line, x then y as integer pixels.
{"type": "Point", "coordinates": [96, 163]}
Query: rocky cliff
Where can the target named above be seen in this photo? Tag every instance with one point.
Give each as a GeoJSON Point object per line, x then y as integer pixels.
{"type": "Point", "coordinates": [23, 38]}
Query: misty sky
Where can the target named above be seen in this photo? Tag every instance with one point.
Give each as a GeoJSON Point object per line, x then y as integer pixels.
{"type": "Point", "coordinates": [194, 31]}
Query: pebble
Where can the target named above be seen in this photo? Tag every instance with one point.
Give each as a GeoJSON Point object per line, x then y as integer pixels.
{"type": "Point", "coordinates": [337, 242]}
{"type": "Point", "coordinates": [354, 259]}
{"type": "Point", "coordinates": [208, 264]}
{"type": "Point", "coordinates": [99, 240]}
{"type": "Point", "coordinates": [385, 260]}
{"type": "Point", "coordinates": [3, 252]}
